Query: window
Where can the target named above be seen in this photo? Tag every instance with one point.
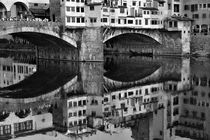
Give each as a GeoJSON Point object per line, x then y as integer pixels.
{"type": "Point", "coordinates": [91, 8]}
{"type": "Point", "coordinates": [68, 8]}
{"type": "Point", "coordinates": [112, 20]}
{"type": "Point", "coordinates": [35, 4]}
{"type": "Point", "coordinates": [80, 103]}
{"type": "Point", "coordinates": [122, 10]}
{"type": "Point", "coordinates": [82, 9]}
{"type": "Point", "coordinates": [176, 7]}
{"type": "Point", "coordinates": [125, 21]}
{"type": "Point", "coordinates": [78, 9]}
{"type": "Point", "coordinates": [119, 21]}
{"type": "Point", "coordinates": [70, 114]}
{"type": "Point", "coordinates": [195, 16]}
{"type": "Point", "coordinates": [112, 10]}
{"type": "Point", "coordinates": [175, 25]}
{"type": "Point", "coordinates": [146, 91]}
{"type": "Point", "coordinates": [176, 101]}
{"type": "Point", "coordinates": [84, 102]}
{"type": "Point", "coordinates": [146, 21]}
{"type": "Point", "coordinates": [106, 99]}
{"type": "Point", "coordinates": [83, 20]}
{"type": "Point", "coordinates": [77, 0]}
{"type": "Point", "coordinates": [176, 111]}
{"type": "Point", "coordinates": [113, 97]}
{"type": "Point", "coordinates": [84, 112]}
{"type": "Point", "coordinates": [73, 9]}
{"type": "Point", "coordinates": [104, 19]}
{"type": "Point", "coordinates": [169, 6]}
{"type": "Point", "coordinates": [204, 5]}
{"type": "Point", "coordinates": [93, 20]}
{"type": "Point", "coordinates": [130, 93]}
{"type": "Point", "coordinates": [186, 7]}
{"type": "Point", "coordinates": [208, 5]}
{"type": "Point", "coordinates": [68, 19]}
{"type": "Point", "coordinates": [105, 10]}
{"type": "Point", "coordinates": [78, 20]}
{"type": "Point", "coordinates": [75, 104]}
{"type": "Point", "coordinates": [73, 19]}
{"type": "Point", "coordinates": [130, 21]}
{"type": "Point", "coordinates": [134, 3]}
{"type": "Point", "coordinates": [70, 104]}
{"type": "Point", "coordinates": [204, 15]}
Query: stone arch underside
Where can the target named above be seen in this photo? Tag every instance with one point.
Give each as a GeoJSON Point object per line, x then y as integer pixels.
{"type": "Point", "coordinates": [155, 35]}
{"type": "Point", "coordinates": [64, 37]}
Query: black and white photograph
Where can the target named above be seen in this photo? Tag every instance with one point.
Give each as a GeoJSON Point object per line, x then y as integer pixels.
{"type": "Point", "coordinates": [104, 69]}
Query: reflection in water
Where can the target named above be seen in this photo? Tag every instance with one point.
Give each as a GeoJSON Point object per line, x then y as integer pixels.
{"type": "Point", "coordinates": [12, 72]}
{"type": "Point", "coordinates": [137, 98]}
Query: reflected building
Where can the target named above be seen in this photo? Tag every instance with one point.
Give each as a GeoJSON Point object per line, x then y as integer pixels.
{"type": "Point", "coordinates": [24, 122]}
{"type": "Point", "coordinates": [12, 72]}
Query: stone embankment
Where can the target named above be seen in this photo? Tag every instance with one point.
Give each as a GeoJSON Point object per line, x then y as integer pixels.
{"type": "Point", "coordinates": [200, 45]}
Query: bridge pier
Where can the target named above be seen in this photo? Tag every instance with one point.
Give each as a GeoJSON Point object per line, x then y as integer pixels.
{"type": "Point", "coordinates": [91, 44]}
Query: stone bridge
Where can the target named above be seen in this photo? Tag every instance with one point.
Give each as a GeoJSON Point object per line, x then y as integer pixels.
{"type": "Point", "coordinates": [89, 40]}
{"type": "Point", "coordinates": [48, 28]}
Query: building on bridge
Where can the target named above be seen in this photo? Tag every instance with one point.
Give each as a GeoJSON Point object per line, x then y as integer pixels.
{"type": "Point", "coordinates": [40, 8]}
{"type": "Point", "coordinates": [24, 8]}
{"type": "Point", "coordinates": [199, 11]}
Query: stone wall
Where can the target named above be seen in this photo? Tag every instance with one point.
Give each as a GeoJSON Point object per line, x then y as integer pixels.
{"type": "Point", "coordinates": [170, 44]}
{"type": "Point", "coordinates": [91, 47]}
{"type": "Point", "coordinates": [200, 45]}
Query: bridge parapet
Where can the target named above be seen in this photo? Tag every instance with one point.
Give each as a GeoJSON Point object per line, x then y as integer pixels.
{"type": "Point", "coordinates": [54, 26]}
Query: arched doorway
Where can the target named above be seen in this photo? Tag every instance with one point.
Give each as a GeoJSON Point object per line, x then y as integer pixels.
{"type": "Point", "coordinates": [3, 11]}
{"type": "Point", "coordinates": [19, 10]}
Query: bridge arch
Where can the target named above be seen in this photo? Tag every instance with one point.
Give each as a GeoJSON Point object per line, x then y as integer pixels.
{"type": "Point", "coordinates": [9, 3]}
{"type": "Point", "coordinates": [111, 33]}
{"type": "Point", "coordinates": [19, 9]}
{"type": "Point", "coordinates": [51, 29]}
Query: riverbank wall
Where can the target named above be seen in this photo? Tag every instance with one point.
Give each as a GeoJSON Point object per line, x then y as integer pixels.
{"type": "Point", "coordinates": [200, 45]}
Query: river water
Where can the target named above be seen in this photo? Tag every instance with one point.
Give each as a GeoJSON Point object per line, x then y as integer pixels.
{"type": "Point", "coordinates": [125, 97]}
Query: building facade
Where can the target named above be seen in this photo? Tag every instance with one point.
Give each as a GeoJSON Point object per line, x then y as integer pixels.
{"type": "Point", "coordinates": [199, 10]}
